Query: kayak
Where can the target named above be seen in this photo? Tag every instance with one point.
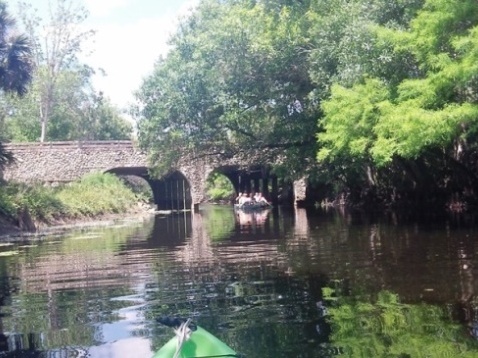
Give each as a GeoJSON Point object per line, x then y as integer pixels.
{"type": "Point", "coordinates": [200, 343]}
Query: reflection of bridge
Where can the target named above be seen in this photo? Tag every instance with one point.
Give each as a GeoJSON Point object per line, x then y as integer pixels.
{"type": "Point", "coordinates": [184, 187]}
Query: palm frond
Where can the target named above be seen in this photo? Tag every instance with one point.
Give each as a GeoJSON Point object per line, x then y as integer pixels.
{"type": "Point", "coordinates": [6, 157]}
{"type": "Point", "coordinates": [18, 66]}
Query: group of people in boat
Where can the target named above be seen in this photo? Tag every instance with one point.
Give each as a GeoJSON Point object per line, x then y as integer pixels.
{"type": "Point", "coordinates": [250, 217]}
{"type": "Point", "coordinates": [245, 199]}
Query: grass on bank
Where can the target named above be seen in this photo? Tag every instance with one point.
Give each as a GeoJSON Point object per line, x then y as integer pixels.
{"type": "Point", "coordinates": [95, 194]}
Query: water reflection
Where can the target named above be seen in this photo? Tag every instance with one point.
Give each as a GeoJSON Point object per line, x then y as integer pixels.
{"type": "Point", "coordinates": [251, 220]}
{"type": "Point", "coordinates": [257, 282]}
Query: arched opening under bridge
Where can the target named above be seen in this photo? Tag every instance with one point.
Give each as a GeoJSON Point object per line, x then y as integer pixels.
{"type": "Point", "coordinates": [171, 192]}
{"type": "Point", "coordinates": [252, 180]}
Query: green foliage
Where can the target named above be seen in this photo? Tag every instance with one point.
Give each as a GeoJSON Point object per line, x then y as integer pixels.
{"type": "Point", "coordinates": [57, 42]}
{"type": "Point", "coordinates": [7, 206]}
{"type": "Point", "coordinates": [219, 187]}
{"type": "Point", "coordinates": [382, 93]}
{"type": "Point", "coordinates": [385, 327]}
{"type": "Point", "coordinates": [387, 124]}
{"type": "Point", "coordinates": [79, 113]}
{"type": "Point", "coordinates": [16, 67]}
{"type": "Point", "coordinates": [235, 80]}
{"type": "Point", "coordinates": [219, 222]}
{"type": "Point", "coordinates": [39, 200]}
{"type": "Point", "coordinates": [16, 60]}
{"type": "Point", "coordinates": [96, 194]}
{"type": "Point", "coordinates": [61, 100]}
{"type": "Point", "coordinates": [346, 46]}
{"type": "Point", "coordinates": [349, 120]}
{"type": "Point", "coordinates": [362, 123]}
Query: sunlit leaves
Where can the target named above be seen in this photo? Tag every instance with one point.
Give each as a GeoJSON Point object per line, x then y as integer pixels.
{"type": "Point", "coordinates": [364, 123]}
{"type": "Point", "coordinates": [427, 112]}
{"type": "Point", "coordinates": [438, 23]}
{"type": "Point", "coordinates": [349, 119]}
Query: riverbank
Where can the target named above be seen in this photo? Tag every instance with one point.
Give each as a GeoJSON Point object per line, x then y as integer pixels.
{"type": "Point", "coordinates": [9, 229]}
{"type": "Point", "coordinates": [95, 197]}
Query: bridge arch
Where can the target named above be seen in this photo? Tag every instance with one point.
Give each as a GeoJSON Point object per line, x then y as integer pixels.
{"type": "Point", "coordinates": [251, 179]}
{"type": "Point", "coordinates": [171, 192]}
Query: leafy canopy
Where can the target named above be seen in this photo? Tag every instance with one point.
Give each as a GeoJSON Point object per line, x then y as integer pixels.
{"type": "Point", "coordinates": [426, 109]}
{"type": "Point", "coordinates": [235, 81]}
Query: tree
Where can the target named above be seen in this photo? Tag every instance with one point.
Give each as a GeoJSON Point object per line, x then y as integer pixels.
{"type": "Point", "coordinates": [16, 64]}
{"type": "Point", "coordinates": [383, 93]}
{"type": "Point", "coordinates": [345, 47]}
{"type": "Point", "coordinates": [62, 95]}
{"type": "Point", "coordinates": [234, 82]}
{"type": "Point", "coordinates": [79, 114]}
{"type": "Point", "coordinates": [423, 124]}
{"type": "Point", "coordinates": [101, 120]}
{"type": "Point", "coordinates": [56, 50]}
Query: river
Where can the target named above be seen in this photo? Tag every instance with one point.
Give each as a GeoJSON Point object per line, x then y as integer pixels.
{"type": "Point", "coordinates": [279, 283]}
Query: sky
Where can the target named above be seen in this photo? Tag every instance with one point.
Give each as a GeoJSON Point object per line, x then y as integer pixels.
{"type": "Point", "coordinates": [130, 37]}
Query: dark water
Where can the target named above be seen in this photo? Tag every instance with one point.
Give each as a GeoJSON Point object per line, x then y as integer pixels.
{"type": "Point", "coordinates": [276, 284]}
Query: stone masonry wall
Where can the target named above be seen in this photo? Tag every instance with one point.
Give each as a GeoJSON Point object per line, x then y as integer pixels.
{"type": "Point", "coordinates": [56, 162]}
{"type": "Point", "coordinates": [67, 161]}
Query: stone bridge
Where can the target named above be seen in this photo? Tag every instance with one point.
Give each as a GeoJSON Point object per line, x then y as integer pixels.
{"type": "Point", "coordinates": [182, 188]}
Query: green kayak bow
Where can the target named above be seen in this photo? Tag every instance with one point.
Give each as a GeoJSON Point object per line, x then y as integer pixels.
{"type": "Point", "coordinates": [192, 342]}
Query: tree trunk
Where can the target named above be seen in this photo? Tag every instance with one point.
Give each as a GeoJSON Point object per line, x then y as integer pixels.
{"type": "Point", "coordinates": [43, 130]}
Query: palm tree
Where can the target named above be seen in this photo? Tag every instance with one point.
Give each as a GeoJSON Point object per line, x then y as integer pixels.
{"type": "Point", "coordinates": [16, 56]}
{"type": "Point", "coordinates": [16, 64]}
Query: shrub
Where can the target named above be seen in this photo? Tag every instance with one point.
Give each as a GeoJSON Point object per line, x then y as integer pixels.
{"type": "Point", "coordinates": [94, 194]}
{"type": "Point", "coordinates": [219, 187]}
{"type": "Point", "coordinates": [7, 207]}
{"type": "Point", "coordinates": [40, 201]}
{"type": "Point", "coordinates": [97, 194]}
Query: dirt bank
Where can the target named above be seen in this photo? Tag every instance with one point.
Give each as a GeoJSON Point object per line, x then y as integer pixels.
{"type": "Point", "coordinates": [25, 226]}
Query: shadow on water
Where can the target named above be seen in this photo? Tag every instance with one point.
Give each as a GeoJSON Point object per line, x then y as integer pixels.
{"type": "Point", "coordinates": [171, 230]}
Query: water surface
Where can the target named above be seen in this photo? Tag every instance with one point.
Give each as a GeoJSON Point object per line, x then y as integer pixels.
{"type": "Point", "coordinates": [278, 283]}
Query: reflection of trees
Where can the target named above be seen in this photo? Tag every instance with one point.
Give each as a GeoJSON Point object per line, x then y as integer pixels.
{"type": "Point", "coordinates": [218, 223]}
{"type": "Point", "coordinates": [387, 328]}
{"type": "Point", "coordinates": [63, 292]}
{"type": "Point", "coordinates": [5, 293]}
{"type": "Point", "coordinates": [238, 283]}
{"type": "Point", "coordinates": [431, 262]}
{"type": "Point", "coordinates": [251, 288]}
{"type": "Point", "coordinates": [196, 275]}
{"type": "Point", "coordinates": [253, 307]}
